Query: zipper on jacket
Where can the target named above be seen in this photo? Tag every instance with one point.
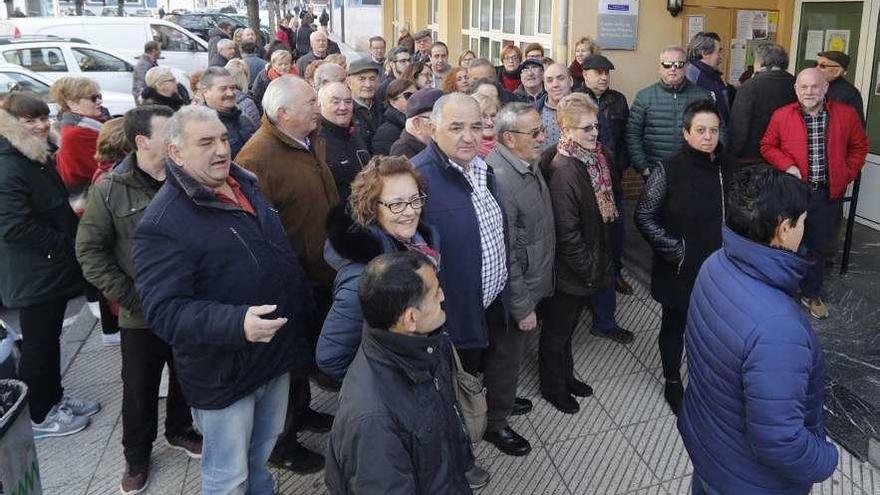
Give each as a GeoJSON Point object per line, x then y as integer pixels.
{"type": "Point", "coordinates": [721, 181]}
{"type": "Point", "coordinates": [683, 251]}
{"type": "Point", "coordinates": [241, 240]}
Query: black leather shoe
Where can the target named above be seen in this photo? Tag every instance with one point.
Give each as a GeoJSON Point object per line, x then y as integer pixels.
{"type": "Point", "coordinates": [313, 421]}
{"type": "Point", "coordinates": [623, 287]}
{"type": "Point", "coordinates": [619, 335]}
{"type": "Point", "coordinates": [297, 459]}
{"type": "Point", "coordinates": [579, 388]}
{"type": "Point", "coordinates": [673, 392]}
{"type": "Point", "coordinates": [564, 402]}
{"type": "Point", "coordinates": [508, 441]}
{"type": "Point", "coordinates": [521, 406]}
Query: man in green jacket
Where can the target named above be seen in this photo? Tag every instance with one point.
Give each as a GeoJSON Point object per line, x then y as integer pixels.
{"type": "Point", "coordinates": [654, 129]}
{"type": "Point", "coordinates": [103, 247]}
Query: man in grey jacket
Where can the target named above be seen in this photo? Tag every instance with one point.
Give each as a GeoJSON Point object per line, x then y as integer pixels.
{"type": "Point", "coordinates": [152, 51]}
{"type": "Point", "coordinates": [529, 216]}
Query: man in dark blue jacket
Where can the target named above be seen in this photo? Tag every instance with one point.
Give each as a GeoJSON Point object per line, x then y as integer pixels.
{"type": "Point", "coordinates": [219, 92]}
{"type": "Point", "coordinates": [220, 283]}
{"type": "Point", "coordinates": [752, 415]}
{"type": "Point", "coordinates": [703, 69]}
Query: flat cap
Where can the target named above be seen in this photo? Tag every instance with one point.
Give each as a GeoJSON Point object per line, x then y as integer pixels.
{"type": "Point", "coordinates": [424, 33]}
{"type": "Point", "coordinates": [839, 57]}
{"type": "Point", "coordinates": [597, 62]}
{"type": "Point", "coordinates": [362, 64]}
{"type": "Point", "coordinates": [529, 62]}
{"type": "Point", "coordinates": [422, 101]}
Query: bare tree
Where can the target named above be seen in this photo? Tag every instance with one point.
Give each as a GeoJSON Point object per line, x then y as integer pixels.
{"type": "Point", "coordinates": [253, 14]}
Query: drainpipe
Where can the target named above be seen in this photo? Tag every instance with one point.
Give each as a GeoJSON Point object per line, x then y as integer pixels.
{"type": "Point", "coordinates": [563, 31]}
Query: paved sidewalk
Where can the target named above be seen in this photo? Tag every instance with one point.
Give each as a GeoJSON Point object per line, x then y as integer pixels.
{"type": "Point", "coordinates": [623, 440]}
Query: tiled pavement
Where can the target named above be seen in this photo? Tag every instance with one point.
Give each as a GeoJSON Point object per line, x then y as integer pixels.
{"type": "Point", "coordinates": [624, 439]}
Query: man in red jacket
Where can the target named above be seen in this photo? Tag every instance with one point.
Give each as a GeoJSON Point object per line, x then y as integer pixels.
{"type": "Point", "coordinates": [822, 143]}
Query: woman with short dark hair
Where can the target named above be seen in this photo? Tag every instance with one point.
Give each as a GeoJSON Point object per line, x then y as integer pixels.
{"type": "Point", "coordinates": [680, 214]}
{"type": "Point", "coordinates": [38, 267]}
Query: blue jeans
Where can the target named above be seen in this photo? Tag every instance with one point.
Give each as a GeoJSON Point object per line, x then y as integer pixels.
{"type": "Point", "coordinates": [603, 304]}
{"type": "Point", "coordinates": [700, 487]}
{"type": "Point", "coordinates": [238, 439]}
{"type": "Point", "coordinates": [822, 216]}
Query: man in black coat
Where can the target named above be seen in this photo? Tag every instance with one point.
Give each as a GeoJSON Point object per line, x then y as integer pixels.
{"type": "Point", "coordinates": [219, 93]}
{"type": "Point", "coordinates": [347, 153]}
{"type": "Point", "coordinates": [770, 88]}
{"type": "Point", "coordinates": [834, 66]}
{"type": "Point", "coordinates": [363, 78]}
{"type": "Point", "coordinates": [398, 429]}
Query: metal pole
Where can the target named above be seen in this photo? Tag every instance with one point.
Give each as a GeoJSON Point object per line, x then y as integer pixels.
{"type": "Point", "coordinates": [342, 19]}
{"type": "Point", "coordinates": [850, 223]}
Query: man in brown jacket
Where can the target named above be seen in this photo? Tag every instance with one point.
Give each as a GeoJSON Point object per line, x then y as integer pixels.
{"type": "Point", "coordinates": [288, 159]}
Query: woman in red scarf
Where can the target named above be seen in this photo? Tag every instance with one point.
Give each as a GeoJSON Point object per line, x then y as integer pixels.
{"type": "Point", "coordinates": [281, 63]}
{"type": "Point", "coordinates": [508, 71]}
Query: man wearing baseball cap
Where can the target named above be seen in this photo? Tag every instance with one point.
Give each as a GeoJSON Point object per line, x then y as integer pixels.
{"type": "Point", "coordinates": [531, 75]}
{"type": "Point", "coordinates": [363, 78]}
{"type": "Point", "coordinates": [834, 65]}
{"type": "Point", "coordinates": [423, 46]}
{"type": "Point", "coordinates": [417, 132]}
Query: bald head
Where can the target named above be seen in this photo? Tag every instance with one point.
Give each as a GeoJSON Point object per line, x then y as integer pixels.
{"type": "Point", "coordinates": [318, 42]}
{"type": "Point", "coordinates": [810, 88]}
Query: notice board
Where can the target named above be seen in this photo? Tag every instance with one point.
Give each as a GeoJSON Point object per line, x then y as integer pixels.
{"type": "Point", "coordinates": [829, 26]}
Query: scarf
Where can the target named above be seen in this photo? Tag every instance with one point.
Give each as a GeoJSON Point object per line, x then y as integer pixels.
{"type": "Point", "coordinates": [600, 176]}
{"type": "Point", "coordinates": [274, 74]}
{"type": "Point", "coordinates": [487, 144]}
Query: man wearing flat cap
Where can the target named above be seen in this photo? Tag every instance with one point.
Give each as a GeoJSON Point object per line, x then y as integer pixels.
{"type": "Point", "coordinates": [423, 47]}
{"type": "Point", "coordinates": [363, 79]}
{"type": "Point", "coordinates": [834, 65]}
{"type": "Point", "coordinates": [531, 76]}
{"type": "Point", "coordinates": [417, 131]}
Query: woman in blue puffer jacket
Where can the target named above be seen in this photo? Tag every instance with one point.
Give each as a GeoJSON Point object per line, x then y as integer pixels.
{"type": "Point", "coordinates": [752, 414]}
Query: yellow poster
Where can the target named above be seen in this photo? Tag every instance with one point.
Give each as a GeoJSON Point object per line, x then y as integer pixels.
{"type": "Point", "coordinates": [837, 40]}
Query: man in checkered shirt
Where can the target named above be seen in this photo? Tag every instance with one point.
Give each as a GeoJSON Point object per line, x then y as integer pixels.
{"type": "Point", "coordinates": [822, 143]}
{"type": "Point", "coordinates": [464, 206]}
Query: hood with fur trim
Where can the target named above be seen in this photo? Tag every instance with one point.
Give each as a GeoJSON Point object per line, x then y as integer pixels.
{"type": "Point", "coordinates": [17, 139]}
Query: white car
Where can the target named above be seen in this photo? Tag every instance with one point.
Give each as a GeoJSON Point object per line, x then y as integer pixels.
{"type": "Point", "coordinates": [17, 78]}
{"type": "Point", "coordinates": [55, 58]}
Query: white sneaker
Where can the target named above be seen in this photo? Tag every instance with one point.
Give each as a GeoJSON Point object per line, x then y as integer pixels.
{"type": "Point", "coordinates": [58, 423]}
{"type": "Point", "coordinates": [110, 339]}
{"type": "Point", "coordinates": [95, 309]}
{"type": "Point", "coordinates": [80, 407]}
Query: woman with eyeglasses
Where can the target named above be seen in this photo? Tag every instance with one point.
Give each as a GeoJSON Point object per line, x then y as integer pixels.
{"type": "Point", "coordinates": [38, 267]}
{"type": "Point", "coordinates": [508, 72]}
{"type": "Point", "coordinates": [680, 213]}
{"type": "Point", "coordinates": [396, 96]}
{"type": "Point", "coordinates": [579, 179]}
{"type": "Point", "coordinates": [383, 216]}
{"type": "Point", "coordinates": [80, 117]}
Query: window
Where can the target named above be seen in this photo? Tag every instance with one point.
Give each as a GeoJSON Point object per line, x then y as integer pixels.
{"type": "Point", "coordinates": [545, 10]}
{"type": "Point", "coordinates": [48, 59]}
{"type": "Point", "coordinates": [485, 6]}
{"type": "Point", "coordinates": [94, 61]}
{"type": "Point", "coordinates": [13, 81]}
{"type": "Point", "coordinates": [496, 14]}
{"type": "Point", "coordinates": [173, 40]}
{"type": "Point", "coordinates": [494, 23]}
{"type": "Point", "coordinates": [509, 16]}
{"type": "Point", "coordinates": [528, 18]}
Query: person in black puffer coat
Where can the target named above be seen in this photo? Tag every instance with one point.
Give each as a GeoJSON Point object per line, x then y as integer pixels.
{"type": "Point", "coordinates": [162, 88]}
{"type": "Point", "coordinates": [397, 95]}
{"type": "Point", "coordinates": [347, 154]}
{"type": "Point", "coordinates": [680, 214]}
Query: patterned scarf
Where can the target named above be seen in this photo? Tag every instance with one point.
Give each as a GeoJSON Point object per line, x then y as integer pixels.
{"type": "Point", "coordinates": [600, 176]}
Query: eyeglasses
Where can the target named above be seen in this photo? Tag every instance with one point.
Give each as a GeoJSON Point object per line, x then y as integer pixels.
{"type": "Point", "coordinates": [407, 95]}
{"type": "Point", "coordinates": [590, 127]}
{"type": "Point", "coordinates": [828, 66]}
{"type": "Point", "coordinates": [94, 98]}
{"type": "Point", "coordinates": [534, 133]}
{"type": "Point", "coordinates": [403, 61]}
{"type": "Point", "coordinates": [398, 207]}
{"type": "Point", "coordinates": [511, 58]}
{"type": "Point", "coordinates": [669, 65]}
{"type": "Point", "coordinates": [532, 68]}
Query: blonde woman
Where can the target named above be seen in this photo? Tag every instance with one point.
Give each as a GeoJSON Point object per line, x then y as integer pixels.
{"type": "Point", "coordinates": [584, 47]}
{"type": "Point", "coordinates": [489, 106]}
{"type": "Point", "coordinates": [241, 75]}
{"type": "Point", "coordinates": [281, 63]}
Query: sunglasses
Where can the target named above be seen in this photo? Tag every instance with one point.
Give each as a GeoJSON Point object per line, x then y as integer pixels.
{"type": "Point", "coordinates": [669, 65]}
{"type": "Point", "coordinates": [94, 98]}
{"type": "Point", "coordinates": [407, 95]}
{"type": "Point", "coordinates": [828, 66]}
{"type": "Point", "coordinates": [534, 133]}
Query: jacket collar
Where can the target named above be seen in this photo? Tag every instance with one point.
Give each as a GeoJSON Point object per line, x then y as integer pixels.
{"type": "Point", "coordinates": [201, 194]}
{"type": "Point", "coordinates": [504, 153]}
{"type": "Point", "coordinates": [124, 172]}
{"type": "Point", "coordinates": [442, 161]}
{"type": "Point", "coordinates": [25, 143]}
{"type": "Point", "coordinates": [775, 267]}
{"type": "Point", "coordinates": [284, 138]}
{"type": "Point", "coordinates": [711, 160]}
{"type": "Point", "coordinates": [416, 356]}
{"type": "Point", "coordinates": [331, 129]}
{"type": "Point", "coordinates": [706, 69]}
{"type": "Point", "coordinates": [673, 89]}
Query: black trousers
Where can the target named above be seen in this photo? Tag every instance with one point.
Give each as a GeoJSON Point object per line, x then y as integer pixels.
{"type": "Point", "coordinates": [555, 361]}
{"type": "Point", "coordinates": [499, 363]}
{"type": "Point", "coordinates": [671, 341]}
{"type": "Point", "coordinates": [109, 321]}
{"type": "Point", "coordinates": [143, 357]}
{"type": "Point", "coordinates": [40, 366]}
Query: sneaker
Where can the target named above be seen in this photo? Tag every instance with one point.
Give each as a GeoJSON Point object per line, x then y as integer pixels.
{"type": "Point", "coordinates": [618, 335]}
{"type": "Point", "coordinates": [190, 443]}
{"type": "Point", "coordinates": [816, 306]}
{"type": "Point", "coordinates": [110, 339]}
{"type": "Point", "coordinates": [477, 477]}
{"type": "Point", "coordinates": [81, 407]}
{"type": "Point", "coordinates": [59, 422]}
{"type": "Point", "coordinates": [134, 479]}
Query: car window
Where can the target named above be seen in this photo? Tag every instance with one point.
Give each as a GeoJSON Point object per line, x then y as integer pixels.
{"type": "Point", "coordinates": [45, 59]}
{"type": "Point", "coordinates": [14, 81]}
{"type": "Point", "coordinates": [94, 61]}
{"type": "Point", "coordinates": [173, 40]}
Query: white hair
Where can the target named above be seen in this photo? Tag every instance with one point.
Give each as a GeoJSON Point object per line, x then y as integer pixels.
{"type": "Point", "coordinates": [437, 112]}
{"type": "Point", "coordinates": [224, 43]}
{"type": "Point", "coordinates": [281, 93]}
{"type": "Point", "coordinates": [327, 73]}
{"type": "Point", "coordinates": [175, 126]}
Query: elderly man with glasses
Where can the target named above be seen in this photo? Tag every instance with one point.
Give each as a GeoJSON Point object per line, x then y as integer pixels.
{"type": "Point", "coordinates": [655, 120]}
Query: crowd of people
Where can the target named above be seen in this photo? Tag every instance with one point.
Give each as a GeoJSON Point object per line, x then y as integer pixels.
{"type": "Point", "coordinates": [394, 224]}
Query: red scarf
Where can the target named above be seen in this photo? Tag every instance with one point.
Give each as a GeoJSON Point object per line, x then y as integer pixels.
{"type": "Point", "coordinates": [274, 74]}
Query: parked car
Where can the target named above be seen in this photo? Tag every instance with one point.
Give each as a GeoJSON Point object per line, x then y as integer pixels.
{"type": "Point", "coordinates": [16, 78]}
{"type": "Point", "coordinates": [264, 31]}
{"type": "Point", "coordinates": [127, 36]}
{"type": "Point", "coordinates": [201, 23]}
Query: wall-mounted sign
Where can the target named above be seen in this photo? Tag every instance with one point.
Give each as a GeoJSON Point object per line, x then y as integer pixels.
{"type": "Point", "coordinates": [618, 24]}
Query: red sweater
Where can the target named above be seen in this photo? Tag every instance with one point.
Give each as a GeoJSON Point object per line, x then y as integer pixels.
{"type": "Point", "coordinates": [785, 144]}
{"type": "Point", "coordinates": [76, 156]}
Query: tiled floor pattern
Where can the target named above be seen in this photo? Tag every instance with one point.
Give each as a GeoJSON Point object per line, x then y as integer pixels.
{"type": "Point", "coordinates": [624, 439]}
